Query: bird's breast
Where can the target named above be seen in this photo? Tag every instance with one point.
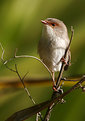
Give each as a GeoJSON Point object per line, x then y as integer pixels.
{"type": "Point", "coordinates": [51, 53]}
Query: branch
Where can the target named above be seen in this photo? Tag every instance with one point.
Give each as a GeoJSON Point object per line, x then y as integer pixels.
{"type": "Point", "coordinates": [28, 112]}
{"type": "Point", "coordinates": [63, 64]}
{"type": "Point", "coordinates": [26, 90]}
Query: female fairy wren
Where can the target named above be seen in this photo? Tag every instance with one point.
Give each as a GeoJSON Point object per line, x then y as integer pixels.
{"type": "Point", "coordinates": [53, 43]}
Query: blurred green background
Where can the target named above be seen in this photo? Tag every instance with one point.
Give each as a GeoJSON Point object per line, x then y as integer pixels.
{"type": "Point", "coordinates": [20, 27]}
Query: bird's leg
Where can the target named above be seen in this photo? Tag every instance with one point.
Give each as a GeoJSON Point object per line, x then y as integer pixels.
{"type": "Point", "coordinates": [53, 77]}
{"type": "Point", "coordinates": [54, 83]}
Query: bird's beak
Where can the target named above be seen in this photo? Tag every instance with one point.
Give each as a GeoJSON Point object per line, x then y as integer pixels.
{"type": "Point", "coordinates": [44, 21]}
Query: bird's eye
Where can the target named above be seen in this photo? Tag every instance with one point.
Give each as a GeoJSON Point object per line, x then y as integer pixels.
{"type": "Point", "coordinates": [53, 24]}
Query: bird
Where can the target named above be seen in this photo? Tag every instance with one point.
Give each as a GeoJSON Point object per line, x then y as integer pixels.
{"type": "Point", "coordinates": [52, 45]}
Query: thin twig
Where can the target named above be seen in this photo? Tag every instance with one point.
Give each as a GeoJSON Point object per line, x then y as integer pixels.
{"type": "Point", "coordinates": [63, 64]}
{"type": "Point", "coordinates": [28, 56]}
{"type": "Point", "coordinates": [48, 112]}
{"type": "Point", "coordinates": [24, 76]}
{"type": "Point", "coordinates": [21, 79]}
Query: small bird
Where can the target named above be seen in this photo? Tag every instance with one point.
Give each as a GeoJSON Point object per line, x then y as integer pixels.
{"type": "Point", "coordinates": [52, 45]}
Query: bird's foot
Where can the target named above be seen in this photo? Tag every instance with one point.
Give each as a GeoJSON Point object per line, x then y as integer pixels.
{"type": "Point", "coordinates": [54, 88]}
{"type": "Point", "coordinates": [64, 60]}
